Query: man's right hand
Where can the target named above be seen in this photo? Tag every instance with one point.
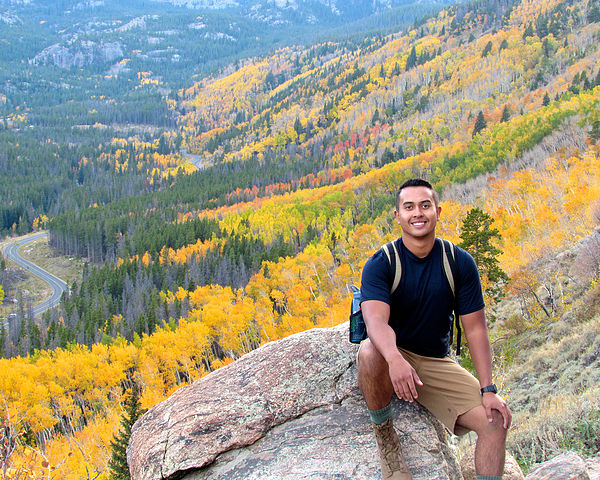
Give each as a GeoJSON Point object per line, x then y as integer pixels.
{"type": "Point", "coordinates": [404, 378]}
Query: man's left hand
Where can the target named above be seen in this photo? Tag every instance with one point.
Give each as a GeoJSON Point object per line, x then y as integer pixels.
{"type": "Point", "coordinates": [492, 401]}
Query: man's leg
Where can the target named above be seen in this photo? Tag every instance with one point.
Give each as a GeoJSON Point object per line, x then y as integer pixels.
{"type": "Point", "coordinates": [376, 387]}
{"type": "Point", "coordinates": [374, 377]}
{"type": "Point", "coordinates": [491, 441]}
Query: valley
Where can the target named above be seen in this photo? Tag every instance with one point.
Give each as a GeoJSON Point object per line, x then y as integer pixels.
{"type": "Point", "coordinates": [206, 200]}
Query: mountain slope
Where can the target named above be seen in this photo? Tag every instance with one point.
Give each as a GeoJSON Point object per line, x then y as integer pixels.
{"type": "Point", "coordinates": [302, 151]}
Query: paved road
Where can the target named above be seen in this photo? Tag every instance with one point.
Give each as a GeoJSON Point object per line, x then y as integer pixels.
{"type": "Point", "coordinates": [195, 159]}
{"type": "Point", "coordinates": [11, 252]}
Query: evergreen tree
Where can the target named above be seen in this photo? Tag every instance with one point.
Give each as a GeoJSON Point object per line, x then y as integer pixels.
{"type": "Point", "coordinates": [118, 468]}
{"type": "Point", "coordinates": [487, 49]}
{"type": "Point", "coordinates": [411, 61]}
{"type": "Point", "coordinates": [480, 123]}
{"type": "Point", "coordinates": [595, 131]}
{"type": "Point", "coordinates": [477, 237]}
{"type": "Point", "coordinates": [546, 100]}
{"type": "Point", "coordinates": [528, 31]}
{"type": "Point", "coordinates": [375, 117]}
{"type": "Point", "coordinates": [505, 114]}
{"type": "Point", "coordinates": [594, 14]}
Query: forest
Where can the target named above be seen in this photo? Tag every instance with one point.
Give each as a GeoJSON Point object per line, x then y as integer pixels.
{"type": "Point", "coordinates": [190, 267]}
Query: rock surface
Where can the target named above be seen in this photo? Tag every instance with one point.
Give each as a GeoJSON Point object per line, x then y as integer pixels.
{"type": "Point", "coordinates": [288, 410]}
{"type": "Point", "coordinates": [78, 54]}
{"type": "Point", "coordinates": [566, 466]}
{"type": "Point", "coordinates": [593, 467]}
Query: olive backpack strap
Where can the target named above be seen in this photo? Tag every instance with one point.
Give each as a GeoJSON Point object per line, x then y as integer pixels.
{"type": "Point", "coordinates": [391, 252]}
{"type": "Point", "coordinates": [451, 271]}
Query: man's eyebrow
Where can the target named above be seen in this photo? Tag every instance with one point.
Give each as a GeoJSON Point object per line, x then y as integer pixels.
{"type": "Point", "coordinates": [410, 202]}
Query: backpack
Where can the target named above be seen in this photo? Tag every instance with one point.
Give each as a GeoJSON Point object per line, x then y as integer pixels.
{"type": "Point", "coordinates": [358, 329]}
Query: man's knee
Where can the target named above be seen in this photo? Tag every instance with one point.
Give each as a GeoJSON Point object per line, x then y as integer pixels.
{"type": "Point", "coordinates": [496, 426]}
{"type": "Point", "coordinates": [477, 420]}
{"type": "Point", "coordinates": [369, 359]}
{"type": "Point", "coordinates": [373, 377]}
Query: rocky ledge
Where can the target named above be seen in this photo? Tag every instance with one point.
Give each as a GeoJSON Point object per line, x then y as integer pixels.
{"type": "Point", "coordinates": [288, 410]}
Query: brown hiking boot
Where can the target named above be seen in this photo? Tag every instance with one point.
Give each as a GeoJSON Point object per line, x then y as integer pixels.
{"type": "Point", "coordinates": [393, 466]}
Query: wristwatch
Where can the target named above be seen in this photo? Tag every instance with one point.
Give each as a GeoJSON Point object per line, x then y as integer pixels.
{"type": "Point", "coordinates": [490, 388]}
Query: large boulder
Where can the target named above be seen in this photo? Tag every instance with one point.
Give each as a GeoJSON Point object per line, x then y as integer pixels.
{"type": "Point", "coordinates": [566, 466]}
{"type": "Point", "coordinates": [288, 410]}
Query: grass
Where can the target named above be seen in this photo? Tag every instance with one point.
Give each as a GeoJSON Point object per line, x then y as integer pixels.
{"type": "Point", "coordinates": [553, 377]}
{"type": "Point", "coordinates": [563, 422]}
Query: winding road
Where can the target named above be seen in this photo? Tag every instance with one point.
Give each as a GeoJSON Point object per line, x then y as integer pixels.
{"type": "Point", "coordinates": [11, 252]}
{"type": "Point", "coordinates": [195, 159]}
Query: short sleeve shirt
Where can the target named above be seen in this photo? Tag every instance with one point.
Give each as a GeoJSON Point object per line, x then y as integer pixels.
{"type": "Point", "coordinates": [421, 306]}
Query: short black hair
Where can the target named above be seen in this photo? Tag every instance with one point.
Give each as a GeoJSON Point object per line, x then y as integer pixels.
{"type": "Point", "coordinates": [417, 182]}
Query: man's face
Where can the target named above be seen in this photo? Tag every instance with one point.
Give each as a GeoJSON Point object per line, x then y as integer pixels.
{"type": "Point", "coordinates": [417, 213]}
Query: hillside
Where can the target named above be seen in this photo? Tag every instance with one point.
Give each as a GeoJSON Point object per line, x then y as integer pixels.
{"type": "Point", "coordinates": [301, 152]}
{"type": "Point", "coordinates": [76, 75]}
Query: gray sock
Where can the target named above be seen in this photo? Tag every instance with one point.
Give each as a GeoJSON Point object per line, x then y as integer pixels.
{"type": "Point", "coordinates": [488, 477]}
{"type": "Point", "coordinates": [382, 415]}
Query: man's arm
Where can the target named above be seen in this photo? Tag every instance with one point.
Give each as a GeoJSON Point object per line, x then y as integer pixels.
{"type": "Point", "coordinates": [476, 332]}
{"type": "Point", "coordinates": [404, 378]}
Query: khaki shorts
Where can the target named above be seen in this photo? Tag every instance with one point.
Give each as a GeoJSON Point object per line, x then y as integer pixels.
{"type": "Point", "coordinates": [448, 389]}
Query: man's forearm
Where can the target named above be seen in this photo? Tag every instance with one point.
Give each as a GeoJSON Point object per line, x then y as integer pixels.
{"type": "Point", "coordinates": [479, 346]}
{"type": "Point", "coordinates": [384, 339]}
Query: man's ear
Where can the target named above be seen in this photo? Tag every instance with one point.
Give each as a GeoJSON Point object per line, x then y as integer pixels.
{"type": "Point", "coordinates": [439, 210]}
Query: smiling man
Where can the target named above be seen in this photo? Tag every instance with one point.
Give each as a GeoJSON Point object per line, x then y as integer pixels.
{"type": "Point", "coordinates": [407, 352]}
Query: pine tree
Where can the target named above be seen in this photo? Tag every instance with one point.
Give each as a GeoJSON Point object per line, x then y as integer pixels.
{"type": "Point", "coordinates": [594, 14]}
{"type": "Point", "coordinates": [487, 49]}
{"type": "Point", "coordinates": [546, 100]}
{"type": "Point", "coordinates": [477, 237]}
{"type": "Point", "coordinates": [528, 31]}
{"type": "Point", "coordinates": [505, 114]}
{"type": "Point", "coordinates": [411, 61]}
{"type": "Point", "coordinates": [480, 123]}
{"type": "Point", "coordinates": [118, 468]}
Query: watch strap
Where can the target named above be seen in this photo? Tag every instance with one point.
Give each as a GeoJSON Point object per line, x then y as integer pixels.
{"type": "Point", "coordinates": [490, 388]}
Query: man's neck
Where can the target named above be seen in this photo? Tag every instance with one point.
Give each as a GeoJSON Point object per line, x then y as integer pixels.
{"type": "Point", "coordinates": [420, 247]}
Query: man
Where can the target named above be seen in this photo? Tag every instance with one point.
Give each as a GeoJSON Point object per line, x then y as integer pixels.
{"type": "Point", "coordinates": [409, 337]}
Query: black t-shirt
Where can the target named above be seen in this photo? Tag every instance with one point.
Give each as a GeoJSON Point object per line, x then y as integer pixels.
{"type": "Point", "coordinates": [421, 306]}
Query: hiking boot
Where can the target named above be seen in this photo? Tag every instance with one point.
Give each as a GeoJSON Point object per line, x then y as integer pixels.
{"type": "Point", "coordinates": [393, 466]}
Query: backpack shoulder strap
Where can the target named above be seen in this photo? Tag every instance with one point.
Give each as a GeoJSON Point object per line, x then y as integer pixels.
{"type": "Point", "coordinates": [451, 271]}
{"type": "Point", "coordinates": [449, 262]}
{"type": "Point", "coordinates": [391, 253]}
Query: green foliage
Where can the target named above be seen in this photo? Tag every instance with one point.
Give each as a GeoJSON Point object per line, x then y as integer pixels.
{"type": "Point", "coordinates": [586, 435]}
{"type": "Point", "coordinates": [411, 61]}
{"type": "Point", "coordinates": [570, 424]}
{"type": "Point", "coordinates": [595, 131]}
{"type": "Point", "coordinates": [594, 13]}
{"type": "Point", "coordinates": [546, 100]}
{"type": "Point", "coordinates": [480, 124]}
{"type": "Point", "coordinates": [505, 114]}
{"type": "Point", "coordinates": [477, 237]}
{"type": "Point", "coordinates": [528, 32]}
{"type": "Point", "coordinates": [487, 49]}
{"type": "Point", "coordinates": [117, 464]}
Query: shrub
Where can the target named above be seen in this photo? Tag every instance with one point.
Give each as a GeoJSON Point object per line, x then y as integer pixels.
{"type": "Point", "coordinates": [562, 423]}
